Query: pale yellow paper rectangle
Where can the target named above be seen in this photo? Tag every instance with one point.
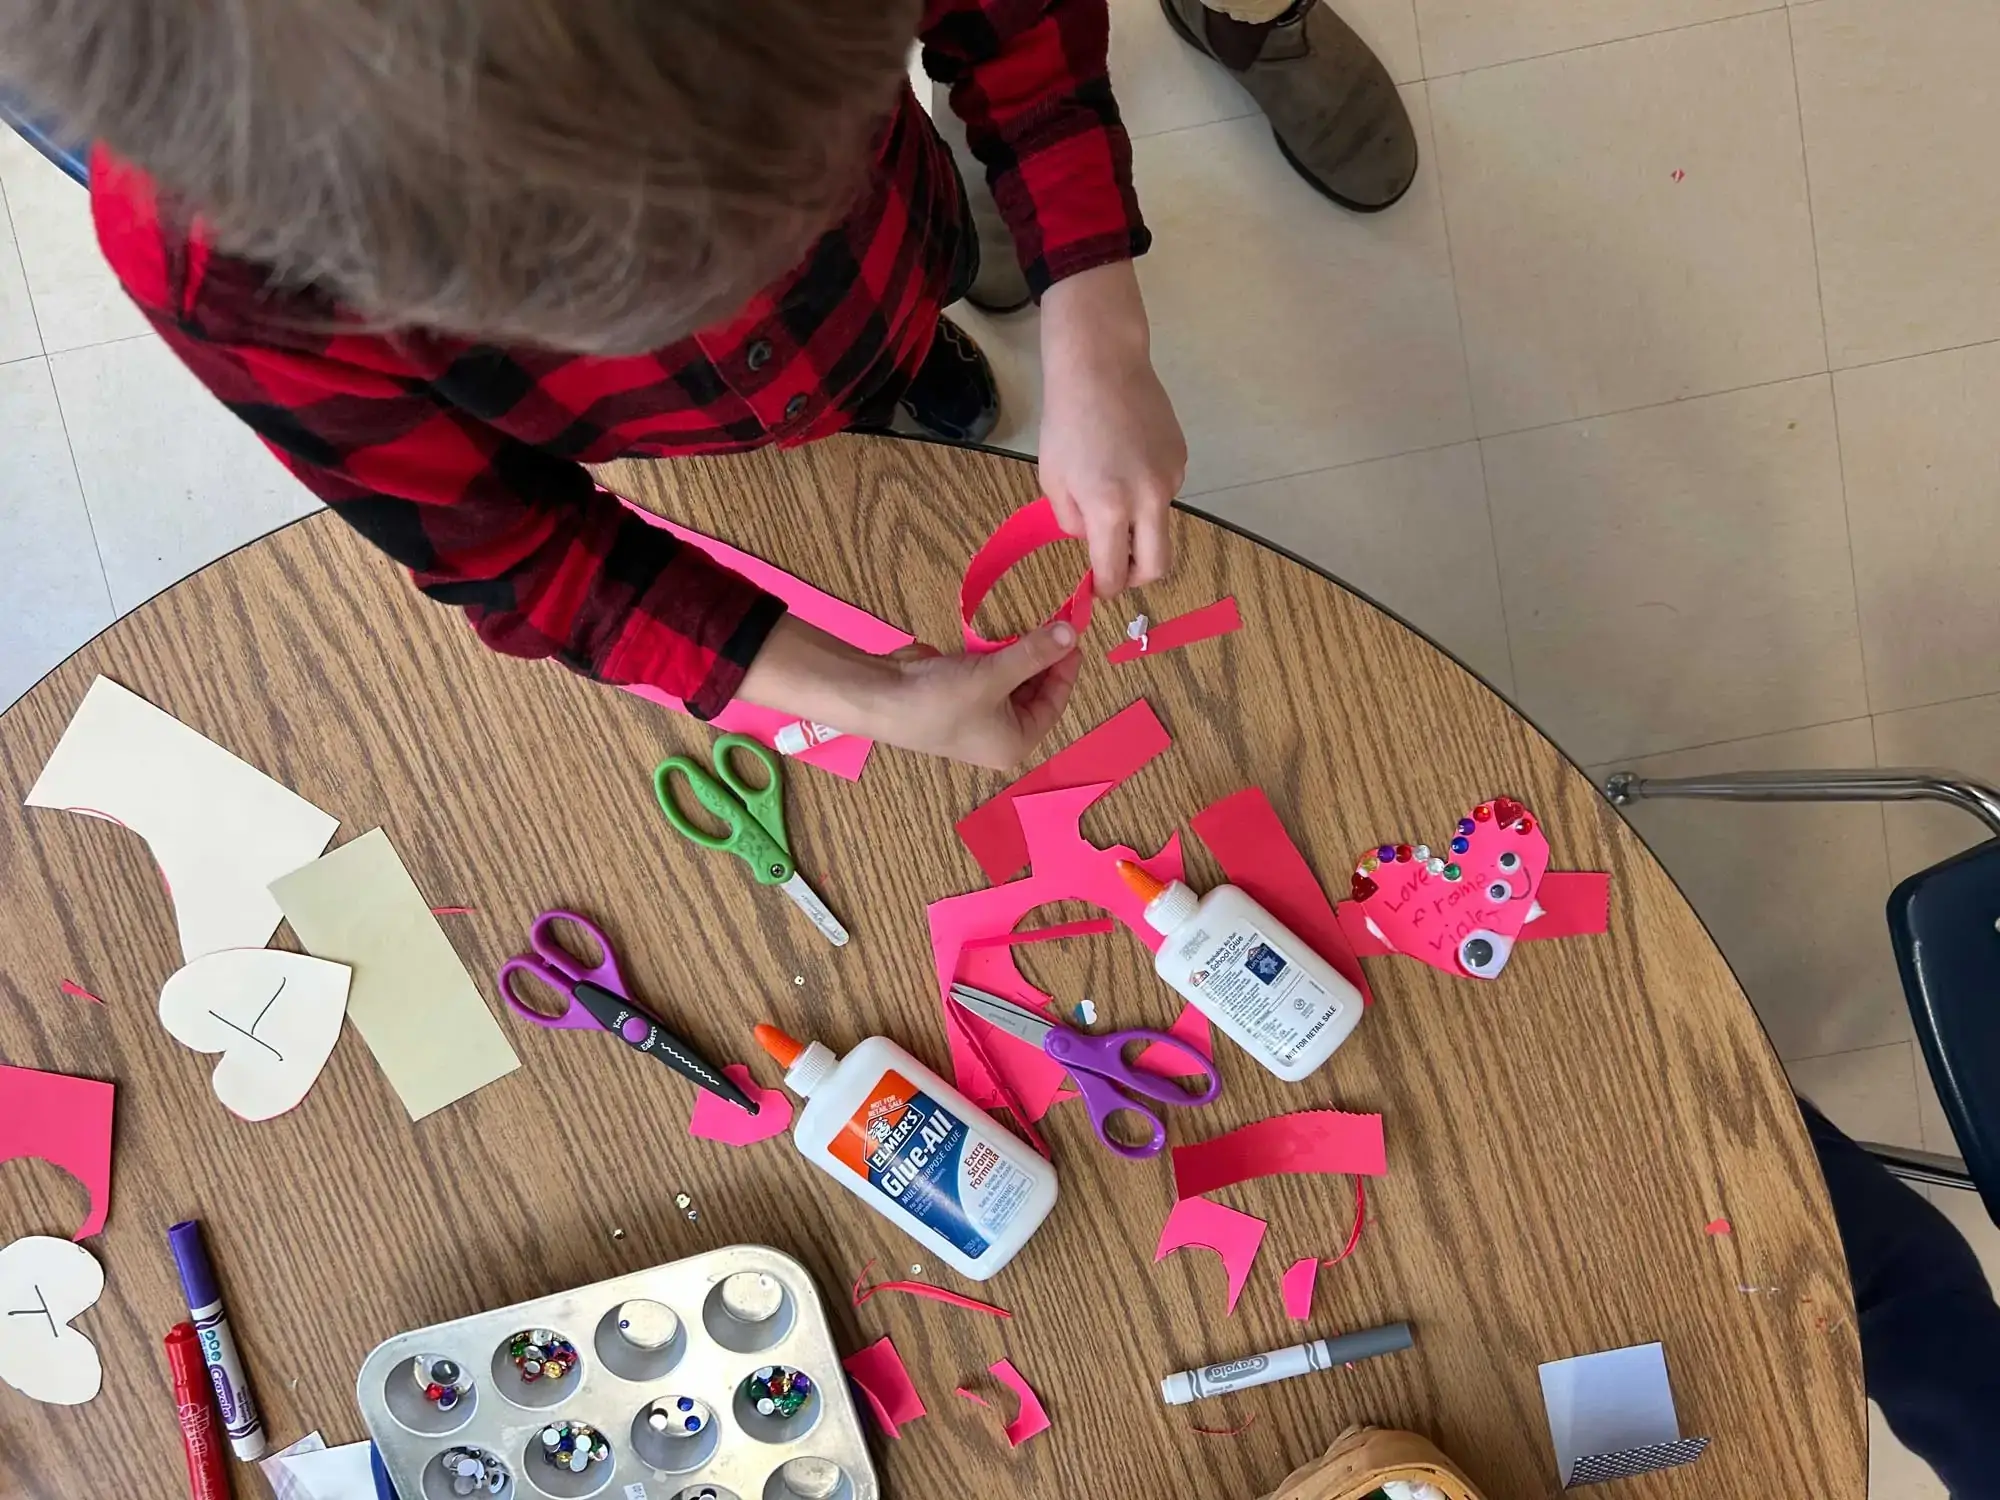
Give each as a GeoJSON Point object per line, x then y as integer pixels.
{"type": "Point", "coordinates": [410, 998]}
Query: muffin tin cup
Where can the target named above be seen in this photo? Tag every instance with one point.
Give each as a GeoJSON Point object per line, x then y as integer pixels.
{"type": "Point", "coordinates": [720, 1333]}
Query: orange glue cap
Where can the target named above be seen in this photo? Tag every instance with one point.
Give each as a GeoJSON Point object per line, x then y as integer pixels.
{"type": "Point", "coordinates": [1143, 885]}
{"type": "Point", "coordinates": [784, 1047]}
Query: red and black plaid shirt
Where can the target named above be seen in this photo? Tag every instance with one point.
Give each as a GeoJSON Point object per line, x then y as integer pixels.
{"type": "Point", "coordinates": [463, 462]}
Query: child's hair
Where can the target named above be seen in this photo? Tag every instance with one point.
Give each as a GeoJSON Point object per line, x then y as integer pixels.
{"type": "Point", "coordinates": [592, 175]}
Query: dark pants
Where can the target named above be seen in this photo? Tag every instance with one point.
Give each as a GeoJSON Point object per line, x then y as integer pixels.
{"type": "Point", "coordinates": [1930, 1330]}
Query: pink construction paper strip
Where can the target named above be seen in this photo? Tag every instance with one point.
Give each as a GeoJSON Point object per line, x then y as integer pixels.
{"type": "Point", "coordinates": [65, 1121]}
{"type": "Point", "coordinates": [864, 1289]}
{"type": "Point", "coordinates": [1233, 1236]}
{"type": "Point", "coordinates": [1312, 1140]}
{"type": "Point", "coordinates": [1067, 867]}
{"type": "Point", "coordinates": [77, 992]}
{"type": "Point", "coordinates": [1109, 753]}
{"type": "Point", "coordinates": [885, 1380]}
{"type": "Point", "coordinates": [845, 756]}
{"type": "Point", "coordinates": [1029, 529]}
{"type": "Point", "coordinates": [973, 1396]}
{"type": "Point", "coordinates": [1093, 928]}
{"type": "Point", "coordinates": [1298, 1288]}
{"type": "Point", "coordinates": [1248, 839]}
{"type": "Point", "coordinates": [1033, 1416]}
{"type": "Point", "coordinates": [716, 1119]}
{"type": "Point", "coordinates": [1211, 620]}
{"type": "Point", "coordinates": [1190, 1026]}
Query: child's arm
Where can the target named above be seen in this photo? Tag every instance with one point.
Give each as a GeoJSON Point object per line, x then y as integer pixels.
{"type": "Point", "coordinates": [1031, 82]}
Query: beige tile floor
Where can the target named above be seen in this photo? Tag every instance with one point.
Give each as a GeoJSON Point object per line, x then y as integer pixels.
{"type": "Point", "coordinates": [1665, 400]}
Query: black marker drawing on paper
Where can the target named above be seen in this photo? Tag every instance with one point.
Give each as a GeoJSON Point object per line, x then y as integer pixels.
{"type": "Point", "coordinates": [41, 1311]}
{"type": "Point", "coordinates": [252, 1032]}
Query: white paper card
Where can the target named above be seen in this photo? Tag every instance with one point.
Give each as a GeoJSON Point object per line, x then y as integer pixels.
{"type": "Point", "coordinates": [220, 830]}
{"type": "Point", "coordinates": [273, 1016]}
{"type": "Point", "coordinates": [1608, 1403]}
{"type": "Point", "coordinates": [44, 1283]}
{"type": "Point", "coordinates": [342, 1473]}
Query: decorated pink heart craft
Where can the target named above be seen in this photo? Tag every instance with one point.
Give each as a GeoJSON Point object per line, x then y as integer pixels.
{"type": "Point", "coordinates": [1459, 908]}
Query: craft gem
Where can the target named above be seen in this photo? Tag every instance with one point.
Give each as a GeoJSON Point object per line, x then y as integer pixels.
{"type": "Point", "coordinates": [1434, 865]}
{"type": "Point", "coordinates": [1452, 872]}
{"type": "Point", "coordinates": [1466, 825]}
{"type": "Point", "coordinates": [1403, 853]}
{"type": "Point", "coordinates": [777, 1391]}
{"type": "Point", "coordinates": [1364, 887]}
{"type": "Point", "coordinates": [1460, 844]}
{"type": "Point", "coordinates": [1483, 812]}
{"type": "Point", "coordinates": [1386, 853]}
{"type": "Point", "coordinates": [540, 1353]}
{"type": "Point", "coordinates": [574, 1446]}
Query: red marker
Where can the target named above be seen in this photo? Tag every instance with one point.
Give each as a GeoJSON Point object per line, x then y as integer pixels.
{"type": "Point", "coordinates": [201, 1434]}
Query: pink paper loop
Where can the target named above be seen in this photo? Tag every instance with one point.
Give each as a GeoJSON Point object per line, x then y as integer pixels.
{"type": "Point", "coordinates": [1028, 530]}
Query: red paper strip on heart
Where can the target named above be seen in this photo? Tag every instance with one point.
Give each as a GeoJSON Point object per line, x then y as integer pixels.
{"type": "Point", "coordinates": [1029, 529]}
{"type": "Point", "coordinates": [1211, 620]}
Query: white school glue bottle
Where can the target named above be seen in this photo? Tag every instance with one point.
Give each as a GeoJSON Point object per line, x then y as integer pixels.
{"type": "Point", "coordinates": [915, 1150]}
{"type": "Point", "coordinates": [1248, 973]}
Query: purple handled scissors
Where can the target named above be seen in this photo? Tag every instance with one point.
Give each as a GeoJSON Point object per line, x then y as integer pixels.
{"type": "Point", "coordinates": [1108, 1083]}
{"type": "Point", "coordinates": [596, 997]}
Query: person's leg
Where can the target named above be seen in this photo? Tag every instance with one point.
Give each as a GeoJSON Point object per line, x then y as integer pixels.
{"type": "Point", "coordinates": [1331, 103]}
{"type": "Point", "coordinates": [1930, 1329]}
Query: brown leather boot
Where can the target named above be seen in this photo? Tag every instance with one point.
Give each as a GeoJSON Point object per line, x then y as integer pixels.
{"type": "Point", "coordinates": [1331, 103]}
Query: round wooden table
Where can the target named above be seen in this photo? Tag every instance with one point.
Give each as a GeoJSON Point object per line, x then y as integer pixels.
{"type": "Point", "coordinates": [1557, 1139]}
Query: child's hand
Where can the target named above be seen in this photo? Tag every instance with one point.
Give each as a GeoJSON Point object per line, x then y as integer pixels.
{"type": "Point", "coordinates": [1113, 455]}
{"type": "Point", "coordinates": [984, 710]}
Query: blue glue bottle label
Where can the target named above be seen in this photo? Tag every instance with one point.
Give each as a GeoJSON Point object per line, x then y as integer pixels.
{"type": "Point", "coordinates": [932, 1165]}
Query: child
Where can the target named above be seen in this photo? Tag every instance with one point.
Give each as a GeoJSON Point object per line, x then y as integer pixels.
{"type": "Point", "coordinates": [439, 254]}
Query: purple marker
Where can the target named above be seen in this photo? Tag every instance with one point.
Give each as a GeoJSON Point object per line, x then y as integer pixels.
{"type": "Point", "coordinates": [218, 1349]}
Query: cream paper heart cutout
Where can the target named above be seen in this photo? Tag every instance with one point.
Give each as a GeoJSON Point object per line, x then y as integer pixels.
{"type": "Point", "coordinates": [274, 1017]}
{"type": "Point", "coordinates": [44, 1283]}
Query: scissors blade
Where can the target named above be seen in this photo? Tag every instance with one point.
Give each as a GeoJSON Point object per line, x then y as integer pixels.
{"type": "Point", "coordinates": [807, 900]}
{"type": "Point", "coordinates": [1016, 1020]}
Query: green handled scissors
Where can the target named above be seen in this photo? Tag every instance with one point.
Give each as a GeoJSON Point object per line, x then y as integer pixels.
{"type": "Point", "coordinates": [754, 816]}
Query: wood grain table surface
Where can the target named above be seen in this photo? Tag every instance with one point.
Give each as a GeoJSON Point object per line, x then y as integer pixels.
{"type": "Point", "coordinates": [1557, 1139]}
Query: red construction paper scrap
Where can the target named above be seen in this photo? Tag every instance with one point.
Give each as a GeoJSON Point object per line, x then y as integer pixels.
{"type": "Point", "coordinates": [1190, 1026]}
{"type": "Point", "coordinates": [716, 1119]}
{"type": "Point", "coordinates": [1248, 839]}
{"type": "Point", "coordinates": [1033, 1417]}
{"type": "Point", "coordinates": [845, 756]}
{"type": "Point", "coordinates": [1312, 1140]}
{"type": "Point", "coordinates": [1201, 624]}
{"type": "Point", "coordinates": [77, 992]}
{"type": "Point", "coordinates": [1575, 903]}
{"type": "Point", "coordinates": [1111, 752]}
{"type": "Point", "coordinates": [1717, 1226]}
{"type": "Point", "coordinates": [1029, 529]}
{"type": "Point", "coordinates": [65, 1121]}
{"type": "Point", "coordinates": [864, 1289]}
{"type": "Point", "coordinates": [1297, 1287]}
{"type": "Point", "coordinates": [1096, 927]}
{"type": "Point", "coordinates": [1067, 867]}
{"type": "Point", "coordinates": [885, 1380]}
{"type": "Point", "coordinates": [1233, 1236]}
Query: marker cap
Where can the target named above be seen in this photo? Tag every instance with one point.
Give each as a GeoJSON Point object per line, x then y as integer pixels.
{"type": "Point", "coordinates": [191, 1257]}
{"type": "Point", "coordinates": [1177, 1389]}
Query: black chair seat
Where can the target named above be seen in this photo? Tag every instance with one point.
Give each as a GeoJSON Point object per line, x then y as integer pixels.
{"type": "Point", "coordinates": [1942, 922]}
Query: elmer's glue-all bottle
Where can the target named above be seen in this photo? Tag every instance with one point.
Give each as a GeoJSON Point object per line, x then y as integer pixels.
{"type": "Point", "coordinates": [1248, 973]}
{"type": "Point", "coordinates": [916, 1150]}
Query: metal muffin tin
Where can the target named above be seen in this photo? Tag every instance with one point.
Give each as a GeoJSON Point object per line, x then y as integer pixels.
{"type": "Point", "coordinates": [818, 1454]}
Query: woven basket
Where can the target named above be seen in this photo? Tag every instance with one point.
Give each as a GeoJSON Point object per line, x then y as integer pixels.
{"type": "Point", "coordinates": [1363, 1459]}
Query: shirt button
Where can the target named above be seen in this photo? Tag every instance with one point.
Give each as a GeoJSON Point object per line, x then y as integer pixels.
{"type": "Point", "coordinates": [795, 408]}
{"type": "Point", "coordinates": [758, 354]}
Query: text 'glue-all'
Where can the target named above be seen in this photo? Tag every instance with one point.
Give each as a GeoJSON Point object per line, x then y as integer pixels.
{"type": "Point", "coordinates": [915, 1150]}
{"type": "Point", "coordinates": [1248, 973]}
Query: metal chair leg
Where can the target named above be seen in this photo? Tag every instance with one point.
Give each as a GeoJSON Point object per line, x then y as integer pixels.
{"type": "Point", "coordinates": [1929, 1167]}
{"type": "Point", "coordinates": [1904, 784]}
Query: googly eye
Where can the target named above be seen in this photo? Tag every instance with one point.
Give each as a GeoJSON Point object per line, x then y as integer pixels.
{"type": "Point", "coordinates": [1510, 861]}
{"type": "Point", "coordinates": [1499, 890]}
{"type": "Point", "coordinates": [1484, 954]}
